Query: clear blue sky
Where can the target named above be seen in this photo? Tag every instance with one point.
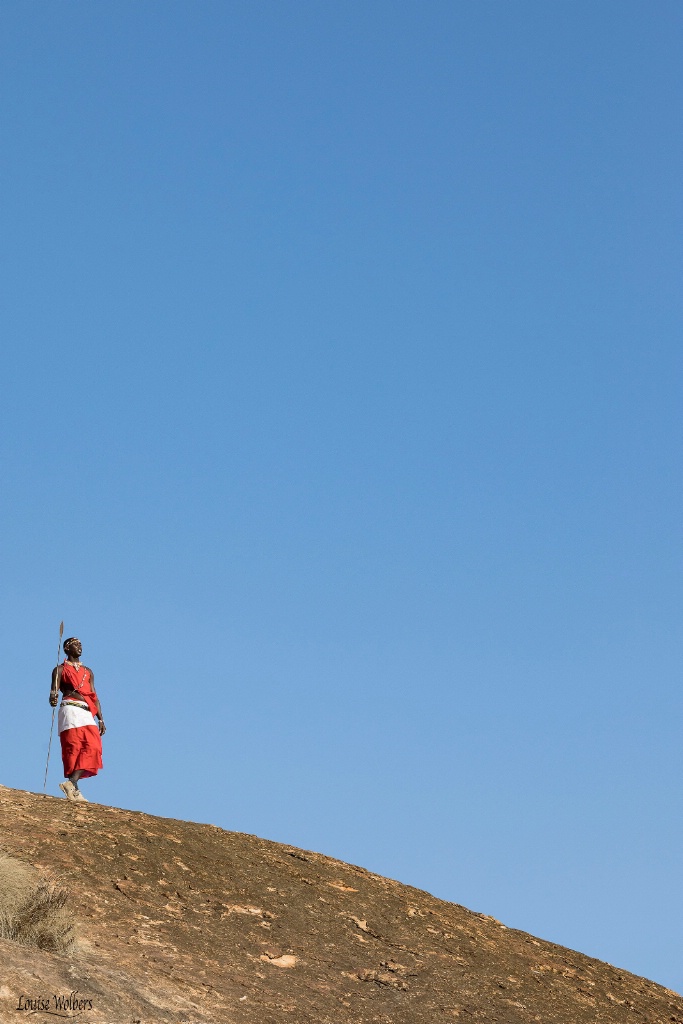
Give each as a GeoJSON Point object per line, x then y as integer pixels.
{"type": "Point", "coordinates": [342, 367]}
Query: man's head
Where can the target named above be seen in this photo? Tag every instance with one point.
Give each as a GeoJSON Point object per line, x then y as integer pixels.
{"type": "Point", "coordinates": [73, 647]}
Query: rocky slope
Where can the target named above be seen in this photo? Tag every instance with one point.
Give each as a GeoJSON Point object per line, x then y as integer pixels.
{"type": "Point", "coordinates": [179, 922]}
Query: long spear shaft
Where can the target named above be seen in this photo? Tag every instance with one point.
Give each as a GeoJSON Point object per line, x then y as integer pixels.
{"type": "Point", "coordinates": [59, 647]}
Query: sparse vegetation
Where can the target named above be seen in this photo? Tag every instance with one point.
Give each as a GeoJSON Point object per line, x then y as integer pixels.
{"type": "Point", "coordinates": [33, 908]}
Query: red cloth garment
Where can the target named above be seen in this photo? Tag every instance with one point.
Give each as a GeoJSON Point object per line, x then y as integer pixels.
{"type": "Point", "coordinates": [81, 750]}
{"type": "Point", "coordinates": [81, 680]}
{"type": "Point", "coordinates": [78, 733]}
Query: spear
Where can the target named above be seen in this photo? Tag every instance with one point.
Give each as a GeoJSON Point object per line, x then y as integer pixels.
{"type": "Point", "coordinates": [59, 647]}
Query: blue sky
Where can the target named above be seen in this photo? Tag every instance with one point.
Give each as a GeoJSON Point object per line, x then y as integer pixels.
{"type": "Point", "coordinates": [341, 422]}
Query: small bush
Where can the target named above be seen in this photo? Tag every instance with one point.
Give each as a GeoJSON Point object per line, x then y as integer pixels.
{"type": "Point", "coordinates": [33, 908]}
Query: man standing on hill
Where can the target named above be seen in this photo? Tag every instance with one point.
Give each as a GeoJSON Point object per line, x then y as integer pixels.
{"type": "Point", "coordinates": [79, 735]}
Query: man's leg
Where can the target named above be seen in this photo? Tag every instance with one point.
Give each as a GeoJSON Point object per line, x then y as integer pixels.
{"type": "Point", "coordinates": [68, 789]}
{"type": "Point", "coordinates": [74, 777]}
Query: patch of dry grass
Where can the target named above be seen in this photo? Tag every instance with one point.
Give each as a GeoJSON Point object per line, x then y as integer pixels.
{"type": "Point", "coordinates": [33, 908]}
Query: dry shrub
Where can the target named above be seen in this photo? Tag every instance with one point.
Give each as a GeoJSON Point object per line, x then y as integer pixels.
{"type": "Point", "coordinates": [33, 908]}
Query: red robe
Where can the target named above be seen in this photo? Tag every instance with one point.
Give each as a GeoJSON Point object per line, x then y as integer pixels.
{"type": "Point", "coordinates": [81, 745]}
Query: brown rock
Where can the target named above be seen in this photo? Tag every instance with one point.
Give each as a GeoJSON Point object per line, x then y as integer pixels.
{"type": "Point", "coordinates": [184, 924]}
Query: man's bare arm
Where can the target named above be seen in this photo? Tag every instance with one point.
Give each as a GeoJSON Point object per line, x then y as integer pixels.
{"type": "Point", "coordinates": [101, 725]}
{"type": "Point", "coordinates": [54, 689]}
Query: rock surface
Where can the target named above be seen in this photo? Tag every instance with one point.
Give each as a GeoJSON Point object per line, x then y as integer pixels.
{"type": "Point", "coordinates": [180, 922]}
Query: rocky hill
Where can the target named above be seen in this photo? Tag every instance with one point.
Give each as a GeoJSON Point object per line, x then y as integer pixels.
{"type": "Point", "coordinates": [180, 922]}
